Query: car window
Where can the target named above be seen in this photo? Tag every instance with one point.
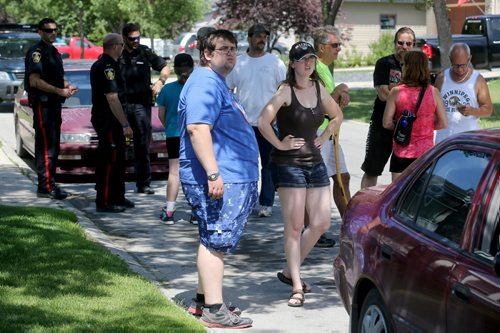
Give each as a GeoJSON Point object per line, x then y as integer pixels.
{"type": "Point", "coordinates": [83, 97]}
{"type": "Point", "coordinates": [440, 199]}
{"type": "Point", "coordinates": [489, 243]}
{"type": "Point", "coordinates": [15, 47]}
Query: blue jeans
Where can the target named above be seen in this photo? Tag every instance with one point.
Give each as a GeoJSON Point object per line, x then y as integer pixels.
{"type": "Point", "coordinates": [266, 197]}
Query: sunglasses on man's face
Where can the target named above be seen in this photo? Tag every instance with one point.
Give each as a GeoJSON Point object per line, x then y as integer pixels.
{"type": "Point", "coordinates": [401, 43]}
{"type": "Point", "coordinates": [49, 31]}
{"type": "Point", "coordinates": [133, 39]}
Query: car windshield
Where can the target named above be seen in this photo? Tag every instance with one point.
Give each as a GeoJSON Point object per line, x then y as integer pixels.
{"type": "Point", "coordinates": [80, 79]}
{"type": "Point", "coordinates": [15, 47]}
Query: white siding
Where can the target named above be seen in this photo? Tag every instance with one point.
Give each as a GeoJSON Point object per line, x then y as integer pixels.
{"type": "Point", "coordinates": [364, 22]}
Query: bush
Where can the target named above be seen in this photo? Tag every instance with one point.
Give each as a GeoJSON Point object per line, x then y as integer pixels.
{"type": "Point", "coordinates": [380, 48]}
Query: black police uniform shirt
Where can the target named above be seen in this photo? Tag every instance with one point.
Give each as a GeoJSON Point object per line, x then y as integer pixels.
{"type": "Point", "coordinates": [136, 70]}
{"type": "Point", "coordinates": [44, 59]}
{"type": "Point", "coordinates": [105, 78]}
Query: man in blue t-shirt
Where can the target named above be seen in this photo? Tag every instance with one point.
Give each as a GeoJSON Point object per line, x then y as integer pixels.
{"type": "Point", "coordinates": [218, 172]}
{"type": "Point", "coordinates": [168, 101]}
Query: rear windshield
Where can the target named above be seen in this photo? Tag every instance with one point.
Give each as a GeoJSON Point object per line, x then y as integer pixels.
{"type": "Point", "coordinates": [473, 27]}
{"type": "Point", "coordinates": [15, 47]}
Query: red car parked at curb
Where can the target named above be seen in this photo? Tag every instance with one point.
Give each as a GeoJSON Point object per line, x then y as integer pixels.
{"type": "Point", "coordinates": [78, 148]}
{"type": "Point", "coordinates": [422, 254]}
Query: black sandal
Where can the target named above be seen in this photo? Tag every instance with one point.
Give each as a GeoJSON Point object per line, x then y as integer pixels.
{"type": "Point", "coordinates": [287, 280]}
{"type": "Point", "coordinates": [294, 297]}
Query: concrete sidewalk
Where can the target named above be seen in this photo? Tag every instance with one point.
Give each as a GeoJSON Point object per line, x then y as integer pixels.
{"type": "Point", "coordinates": [166, 255]}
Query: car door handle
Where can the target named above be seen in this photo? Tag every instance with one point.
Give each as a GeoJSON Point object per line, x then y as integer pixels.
{"type": "Point", "coordinates": [460, 291]}
{"type": "Point", "coordinates": [386, 252]}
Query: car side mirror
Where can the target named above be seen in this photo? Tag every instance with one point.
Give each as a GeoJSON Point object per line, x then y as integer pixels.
{"type": "Point", "coordinates": [496, 263]}
{"type": "Point", "coordinates": [24, 101]}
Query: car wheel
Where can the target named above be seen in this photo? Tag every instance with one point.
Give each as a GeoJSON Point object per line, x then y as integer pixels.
{"type": "Point", "coordinates": [374, 317]}
{"type": "Point", "coordinates": [21, 152]}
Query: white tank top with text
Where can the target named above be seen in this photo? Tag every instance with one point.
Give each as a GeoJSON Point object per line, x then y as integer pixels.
{"type": "Point", "coordinates": [455, 94]}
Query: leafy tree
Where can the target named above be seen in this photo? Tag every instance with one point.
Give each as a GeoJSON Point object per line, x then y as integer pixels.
{"type": "Point", "coordinates": [279, 16]}
{"type": "Point", "coordinates": [95, 18]}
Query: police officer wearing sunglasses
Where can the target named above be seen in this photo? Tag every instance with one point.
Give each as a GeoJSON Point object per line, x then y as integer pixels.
{"type": "Point", "coordinates": [135, 65]}
{"type": "Point", "coordinates": [47, 90]}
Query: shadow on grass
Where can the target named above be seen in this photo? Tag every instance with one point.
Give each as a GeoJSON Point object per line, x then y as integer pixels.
{"type": "Point", "coordinates": [52, 278]}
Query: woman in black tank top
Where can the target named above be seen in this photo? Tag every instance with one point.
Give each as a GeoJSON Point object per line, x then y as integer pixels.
{"type": "Point", "coordinates": [299, 174]}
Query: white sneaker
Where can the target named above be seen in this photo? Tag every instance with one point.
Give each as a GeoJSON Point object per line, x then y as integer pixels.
{"type": "Point", "coordinates": [265, 211]}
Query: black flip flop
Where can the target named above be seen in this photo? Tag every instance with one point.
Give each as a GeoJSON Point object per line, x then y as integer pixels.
{"type": "Point", "coordinates": [287, 280]}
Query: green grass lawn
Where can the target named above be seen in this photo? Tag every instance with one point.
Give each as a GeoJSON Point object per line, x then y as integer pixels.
{"type": "Point", "coordinates": [53, 279]}
{"type": "Point", "coordinates": [361, 105]}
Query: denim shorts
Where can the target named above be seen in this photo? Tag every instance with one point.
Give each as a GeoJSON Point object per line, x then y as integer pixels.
{"type": "Point", "coordinates": [221, 222]}
{"type": "Point", "coordinates": [300, 176]}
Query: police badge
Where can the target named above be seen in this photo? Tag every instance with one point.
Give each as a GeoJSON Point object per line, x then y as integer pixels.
{"type": "Point", "coordinates": [36, 56]}
{"type": "Point", "coordinates": [109, 73]}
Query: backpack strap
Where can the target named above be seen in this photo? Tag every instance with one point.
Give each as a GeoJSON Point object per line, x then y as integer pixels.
{"type": "Point", "coordinates": [420, 97]}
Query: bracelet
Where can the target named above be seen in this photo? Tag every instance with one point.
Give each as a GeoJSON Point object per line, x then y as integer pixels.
{"type": "Point", "coordinates": [126, 126]}
{"type": "Point", "coordinates": [162, 82]}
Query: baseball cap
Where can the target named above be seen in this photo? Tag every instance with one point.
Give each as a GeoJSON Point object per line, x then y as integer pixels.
{"type": "Point", "coordinates": [257, 29]}
{"type": "Point", "coordinates": [300, 50]}
{"type": "Point", "coordinates": [183, 60]}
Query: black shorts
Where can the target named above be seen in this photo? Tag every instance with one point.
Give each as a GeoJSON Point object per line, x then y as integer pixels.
{"type": "Point", "coordinates": [399, 164]}
{"type": "Point", "coordinates": [378, 149]}
{"type": "Point", "coordinates": [173, 146]}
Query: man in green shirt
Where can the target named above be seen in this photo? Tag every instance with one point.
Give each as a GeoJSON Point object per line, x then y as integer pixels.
{"type": "Point", "coordinates": [327, 45]}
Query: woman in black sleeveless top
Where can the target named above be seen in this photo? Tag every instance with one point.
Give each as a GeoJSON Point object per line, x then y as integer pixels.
{"type": "Point", "coordinates": [300, 176]}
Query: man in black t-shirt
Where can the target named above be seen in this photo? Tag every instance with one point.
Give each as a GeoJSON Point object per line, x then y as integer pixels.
{"type": "Point", "coordinates": [135, 64]}
{"type": "Point", "coordinates": [387, 75]}
{"type": "Point", "coordinates": [112, 127]}
{"type": "Point", "coordinates": [47, 90]}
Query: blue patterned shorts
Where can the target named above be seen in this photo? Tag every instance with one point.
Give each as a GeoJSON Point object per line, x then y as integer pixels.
{"type": "Point", "coordinates": [221, 222]}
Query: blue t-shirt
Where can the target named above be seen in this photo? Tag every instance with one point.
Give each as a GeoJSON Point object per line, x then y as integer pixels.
{"type": "Point", "coordinates": [169, 99]}
{"type": "Point", "coordinates": [206, 99]}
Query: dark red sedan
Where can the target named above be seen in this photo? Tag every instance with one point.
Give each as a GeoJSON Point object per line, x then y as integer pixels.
{"type": "Point", "coordinates": [78, 148]}
{"type": "Point", "coordinates": [422, 254]}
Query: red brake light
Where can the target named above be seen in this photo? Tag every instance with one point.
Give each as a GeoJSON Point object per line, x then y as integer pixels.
{"type": "Point", "coordinates": [182, 49]}
{"type": "Point", "coordinates": [193, 45]}
{"type": "Point", "coordinates": [427, 49]}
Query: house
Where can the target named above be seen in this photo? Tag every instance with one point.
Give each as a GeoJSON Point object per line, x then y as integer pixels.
{"type": "Point", "coordinates": [365, 21]}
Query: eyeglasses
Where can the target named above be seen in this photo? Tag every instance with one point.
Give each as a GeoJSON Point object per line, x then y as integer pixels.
{"type": "Point", "coordinates": [133, 39]}
{"type": "Point", "coordinates": [121, 44]}
{"type": "Point", "coordinates": [48, 30]}
{"type": "Point", "coordinates": [459, 66]}
{"type": "Point", "coordinates": [401, 43]}
{"type": "Point", "coordinates": [334, 45]}
{"type": "Point", "coordinates": [310, 58]}
{"type": "Point", "coordinates": [227, 50]}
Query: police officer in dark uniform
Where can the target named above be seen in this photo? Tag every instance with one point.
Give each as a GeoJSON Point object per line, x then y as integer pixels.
{"type": "Point", "coordinates": [136, 63]}
{"type": "Point", "coordinates": [47, 90]}
{"type": "Point", "coordinates": [111, 125]}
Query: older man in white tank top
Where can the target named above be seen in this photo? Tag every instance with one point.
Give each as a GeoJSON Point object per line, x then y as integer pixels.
{"type": "Point", "coordinates": [465, 93]}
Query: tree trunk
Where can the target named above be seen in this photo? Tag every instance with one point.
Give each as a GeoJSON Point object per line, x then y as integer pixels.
{"type": "Point", "coordinates": [444, 30]}
{"type": "Point", "coordinates": [330, 11]}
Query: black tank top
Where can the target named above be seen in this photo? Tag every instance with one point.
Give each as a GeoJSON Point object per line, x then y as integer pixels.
{"type": "Point", "coordinates": [300, 122]}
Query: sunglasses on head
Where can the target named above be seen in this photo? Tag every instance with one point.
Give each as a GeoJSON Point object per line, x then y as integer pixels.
{"type": "Point", "coordinates": [401, 43]}
{"type": "Point", "coordinates": [48, 30]}
{"type": "Point", "coordinates": [132, 39]}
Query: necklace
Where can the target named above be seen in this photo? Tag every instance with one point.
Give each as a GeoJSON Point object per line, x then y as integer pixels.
{"type": "Point", "coordinates": [464, 77]}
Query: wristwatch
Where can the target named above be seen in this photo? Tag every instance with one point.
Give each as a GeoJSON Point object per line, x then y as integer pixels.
{"type": "Point", "coordinates": [213, 176]}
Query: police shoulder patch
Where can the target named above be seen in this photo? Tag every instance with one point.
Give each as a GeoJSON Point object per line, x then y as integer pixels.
{"type": "Point", "coordinates": [36, 57]}
{"type": "Point", "coordinates": [109, 73]}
